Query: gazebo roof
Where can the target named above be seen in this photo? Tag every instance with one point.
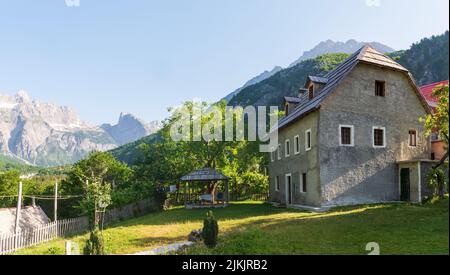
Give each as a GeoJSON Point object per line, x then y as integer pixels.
{"type": "Point", "coordinates": [204, 174]}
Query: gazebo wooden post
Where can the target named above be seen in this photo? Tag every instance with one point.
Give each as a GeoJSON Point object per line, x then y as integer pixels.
{"type": "Point", "coordinates": [227, 192]}
{"type": "Point", "coordinates": [185, 194]}
{"type": "Point", "coordinates": [202, 176]}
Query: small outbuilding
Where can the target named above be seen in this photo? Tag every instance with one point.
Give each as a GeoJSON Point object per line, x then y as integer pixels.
{"type": "Point", "coordinates": [197, 192]}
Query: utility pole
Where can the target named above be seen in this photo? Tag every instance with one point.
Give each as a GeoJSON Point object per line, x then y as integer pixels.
{"type": "Point", "coordinates": [19, 205]}
{"type": "Point", "coordinates": [55, 215]}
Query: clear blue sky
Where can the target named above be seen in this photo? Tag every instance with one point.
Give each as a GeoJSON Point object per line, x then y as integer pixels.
{"type": "Point", "coordinates": [142, 56]}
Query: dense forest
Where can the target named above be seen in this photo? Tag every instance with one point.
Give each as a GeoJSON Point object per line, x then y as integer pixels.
{"type": "Point", "coordinates": [427, 60]}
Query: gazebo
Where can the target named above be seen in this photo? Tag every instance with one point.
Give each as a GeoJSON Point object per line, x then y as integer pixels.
{"type": "Point", "coordinates": [202, 176]}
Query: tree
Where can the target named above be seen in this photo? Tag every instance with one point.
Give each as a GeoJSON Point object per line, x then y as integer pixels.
{"type": "Point", "coordinates": [8, 187]}
{"type": "Point", "coordinates": [436, 180]}
{"type": "Point", "coordinates": [437, 121]}
{"type": "Point", "coordinates": [168, 160]}
{"type": "Point", "coordinates": [102, 169]}
{"type": "Point", "coordinates": [210, 230]}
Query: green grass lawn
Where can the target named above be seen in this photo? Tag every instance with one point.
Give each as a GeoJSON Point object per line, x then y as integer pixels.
{"type": "Point", "coordinates": [256, 228]}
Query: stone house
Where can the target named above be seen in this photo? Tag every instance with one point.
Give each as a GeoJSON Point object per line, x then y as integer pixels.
{"type": "Point", "coordinates": [352, 137]}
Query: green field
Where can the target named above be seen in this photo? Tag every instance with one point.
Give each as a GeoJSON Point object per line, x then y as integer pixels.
{"type": "Point", "coordinates": [257, 228]}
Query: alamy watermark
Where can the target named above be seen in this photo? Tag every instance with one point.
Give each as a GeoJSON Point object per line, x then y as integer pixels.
{"type": "Point", "coordinates": [72, 3]}
{"type": "Point", "coordinates": [197, 122]}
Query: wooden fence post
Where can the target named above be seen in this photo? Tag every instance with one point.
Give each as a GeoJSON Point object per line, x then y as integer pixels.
{"type": "Point", "coordinates": [55, 215]}
{"type": "Point", "coordinates": [68, 248]}
{"type": "Point", "coordinates": [19, 205]}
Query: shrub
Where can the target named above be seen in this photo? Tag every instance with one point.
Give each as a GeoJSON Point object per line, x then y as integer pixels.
{"type": "Point", "coordinates": [95, 244]}
{"type": "Point", "coordinates": [437, 181]}
{"type": "Point", "coordinates": [54, 250]}
{"type": "Point", "coordinates": [210, 230]}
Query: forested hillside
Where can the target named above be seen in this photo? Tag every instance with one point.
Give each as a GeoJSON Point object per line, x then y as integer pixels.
{"type": "Point", "coordinates": [428, 59]}
{"type": "Point", "coordinates": [287, 82]}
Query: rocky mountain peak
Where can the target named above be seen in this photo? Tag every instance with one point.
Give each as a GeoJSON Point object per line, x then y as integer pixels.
{"type": "Point", "coordinates": [47, 134]}
{"type": "Point", "coordinates": [330, 46]}
{"type": "Point", "coordinates": [130, 128]}
{"type": "Point", "coordinates": [22, 96]}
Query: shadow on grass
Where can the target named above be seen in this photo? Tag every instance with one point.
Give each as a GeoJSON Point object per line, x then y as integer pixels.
{"type": "Point", "coordinates": [181, 215]}
{"type": "Point", "coordinates": [398, 229]}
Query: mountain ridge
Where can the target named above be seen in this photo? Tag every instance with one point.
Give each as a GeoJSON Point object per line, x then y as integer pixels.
{"type": "Point", "coordinates": [271, 91]}
{"type": "Point", "coordinates": [46, 134]}
{"type": "Point", "coordinates": [324, 47]}
{"type": "Point", "coordinates": [330, 46]}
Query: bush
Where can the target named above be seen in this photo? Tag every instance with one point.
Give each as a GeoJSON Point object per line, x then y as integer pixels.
{"type": "Point", "coordinates": [437, 181]}
{"type": "Point", "coordinates": [210, 230]}
{"type": "Point", "coordinates": [54, 250]}
{"type": "Point", "coordinates": [95, 244]}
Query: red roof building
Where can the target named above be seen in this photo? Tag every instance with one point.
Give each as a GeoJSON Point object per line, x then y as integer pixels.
{"type": "Point", "coordinates": [427, 92]}
{"type": "Point", "coordinates": [437, 145]}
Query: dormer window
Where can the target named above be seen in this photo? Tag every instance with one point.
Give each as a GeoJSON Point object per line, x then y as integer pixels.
{"type": "Point", "coordinates": [311, 92]}
{"type": "Point", "coordinates": [286, 108]}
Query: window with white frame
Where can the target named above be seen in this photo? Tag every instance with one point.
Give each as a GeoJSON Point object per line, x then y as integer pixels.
{"type": "Point", "coordinates": [346, 135]}
{"type": "Point", "coordinates": [297, 145]}
{"type": "Point", "coordinates": [308, 140]}
{"type": "Point", "coordinates": [279, 152]}
{"type": "Point", "coordinates": [379, 137]}
{"type": "Point", "coordinates": [277, 183]}
{"type": "Point", "coordinates": [287, 148]}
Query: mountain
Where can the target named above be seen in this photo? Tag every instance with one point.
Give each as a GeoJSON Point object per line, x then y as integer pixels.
{"type": "Point", "coordinates": [11, 163]}
{"type": "Point", "coordinates": [45, 134]}
{"type": "Point", "coordinates": [432, 60]}
{"type": "Point", "coordinates": [131, 152]}
{"type": "Point", "coordinates": [253, 81]}
{"type": "Point", "coordinates": [130, 128]}
{"type": "Point", "coordinates": [322, 48]}
{"type": "Point", "coordinates": [331, 46]}
{"type": "Point", "coordinates": [428, 60]}
{"type": "Point", "coordinates": [270, 92]}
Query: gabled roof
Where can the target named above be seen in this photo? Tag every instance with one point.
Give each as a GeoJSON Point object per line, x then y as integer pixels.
{"type": "Point", "coordinates": [427, 92]}
{"type": "Point", "coordinates": [366, 55]}
{"type": "Point", "coordinates": [317, 79]}
{"type": "Point", "coordinates": [204, 174]}
{"type": "Point", "coordinates": [291, 99]}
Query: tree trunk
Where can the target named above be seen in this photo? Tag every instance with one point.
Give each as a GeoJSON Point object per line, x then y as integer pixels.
{"type": "Point", "coordinates": [442, 161]}
{"type": "Point", "coordinates": [212, 190]}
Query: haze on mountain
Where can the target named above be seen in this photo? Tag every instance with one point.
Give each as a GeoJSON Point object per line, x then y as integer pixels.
{"type": "Point", "coordinates": [46, 134]}
{"type": "Point", "coordinates": [330, 46]}
{"type": "Point", "coordinates": [324, 47]}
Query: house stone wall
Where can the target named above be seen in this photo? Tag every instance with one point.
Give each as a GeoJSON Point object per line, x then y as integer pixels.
{"type": "Point", "coordinates": [361, 173]}
{"type": "Point", "coordinates": [297, 164]}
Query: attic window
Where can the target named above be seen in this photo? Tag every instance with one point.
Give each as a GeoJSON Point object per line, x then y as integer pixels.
{"type": "Point", "coordinates": [380, 88]}
{"type": "Point", "coordinates": [311, 92]}
{"type": "Point", "coordinates": [286, 109]}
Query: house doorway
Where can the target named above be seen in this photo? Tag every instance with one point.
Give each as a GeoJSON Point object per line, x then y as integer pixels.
{"type": "Point", "coordinates": [288, 189]}
{"type": "Point", "coordinates": [405, 184]}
